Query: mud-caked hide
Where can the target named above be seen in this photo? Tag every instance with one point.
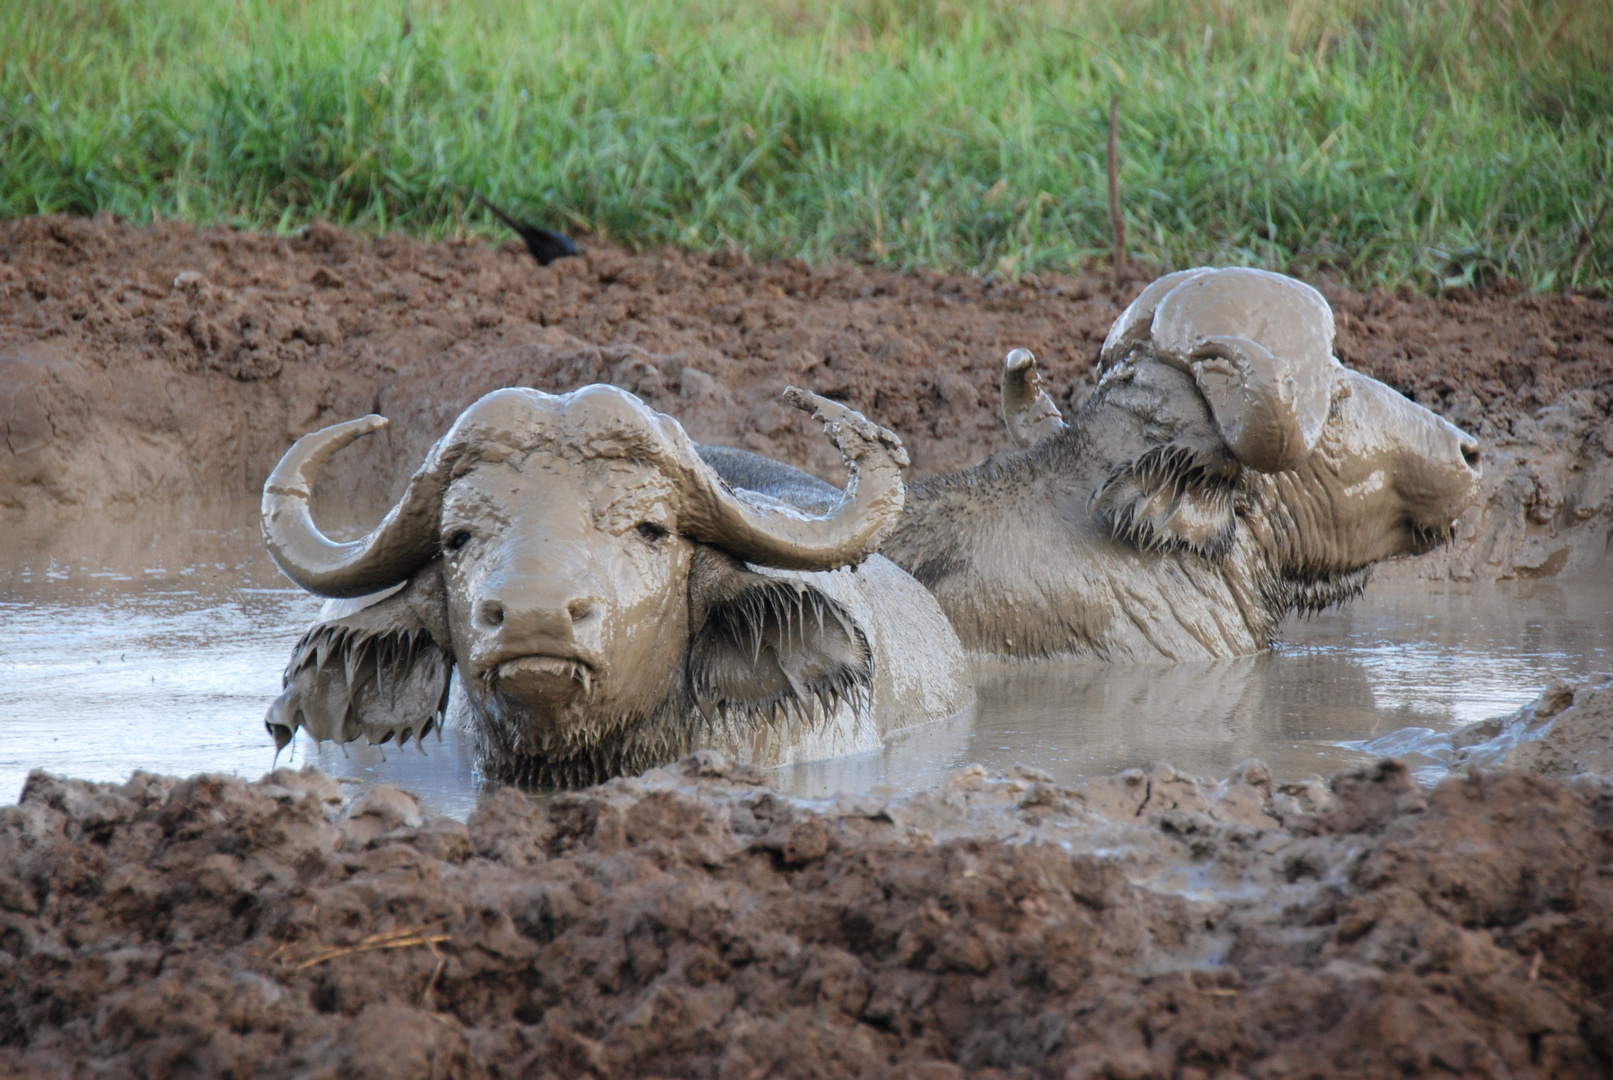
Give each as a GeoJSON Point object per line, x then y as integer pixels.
{"type": "Point", "coordinates": [606, 600]}
{"type": "Point", "coordinates": [1226, 471]}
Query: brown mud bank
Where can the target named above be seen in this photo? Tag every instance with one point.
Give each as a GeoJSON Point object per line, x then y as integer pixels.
{"type": "Point", "coordinates": [154, 363]}
{"type": "Point", "coordinates": [693, 922]}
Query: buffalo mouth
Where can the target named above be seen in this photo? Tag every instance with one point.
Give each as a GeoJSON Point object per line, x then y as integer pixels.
{"type": "Point", "coordinates": [541, 678]}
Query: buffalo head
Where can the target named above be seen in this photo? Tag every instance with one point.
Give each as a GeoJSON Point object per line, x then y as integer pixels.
{"type": "Point", "coordinates": [1358, 473]}
{"type": "Point", "coordinates": [1226, 470]}
{"type": "Point", "coordinates": [584, 570]}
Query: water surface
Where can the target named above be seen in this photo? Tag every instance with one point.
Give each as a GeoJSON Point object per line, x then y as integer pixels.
{"type": "Point", "coordinates": [158, 645]}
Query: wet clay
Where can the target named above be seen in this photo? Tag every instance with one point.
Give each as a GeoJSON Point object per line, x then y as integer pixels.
{"type": "Point", "coordinates": [1566, 731]}
{"type": "Point", "coordinates": [164, 362]}
{"type": "Point", "coordinates": [693, 922]}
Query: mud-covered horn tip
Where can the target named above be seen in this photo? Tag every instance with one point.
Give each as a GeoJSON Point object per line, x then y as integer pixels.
{"type": "Point", "coordinates": [840, 421]}
{"type": "Point", "coordinates": [782, 536]}
{"type": "Point", "coordinates": [1028, 411]}
{"type": "Point", "coordinates": [297, 470]}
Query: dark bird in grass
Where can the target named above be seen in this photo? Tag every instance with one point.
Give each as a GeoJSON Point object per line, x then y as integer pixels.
{"type": "Point", "coordinates": [546, 245]}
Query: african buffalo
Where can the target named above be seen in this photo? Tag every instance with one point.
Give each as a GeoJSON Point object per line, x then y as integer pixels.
{"type": "Point", "coordinates": [1226, 471]}
{"type": "Point", "coordinates": [584, 570]}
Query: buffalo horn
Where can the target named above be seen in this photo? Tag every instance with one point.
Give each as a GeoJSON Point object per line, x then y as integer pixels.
{"type": "Point", "coordinates": [394, 549]}
{"type": "Point", "coordinates": [1260, 347]}
{"type": "Point", "coordinates": [781, 536]}
{"type": "Point", "coordinates": [1135, 324]}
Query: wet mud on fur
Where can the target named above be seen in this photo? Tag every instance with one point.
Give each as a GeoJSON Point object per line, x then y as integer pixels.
{"type": "Point", "coordinates": [164, 362]}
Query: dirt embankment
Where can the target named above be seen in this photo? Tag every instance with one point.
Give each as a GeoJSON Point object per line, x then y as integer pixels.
{"type": "Point", "coordinates": [166, 362]}
{"type": "Point", "coordinates": [693, 923]}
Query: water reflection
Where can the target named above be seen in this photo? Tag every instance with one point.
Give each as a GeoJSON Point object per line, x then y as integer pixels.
{"type": "Point", "coordinates": [158, 645]}
{"type": "Point", "coordinates": [1394, 666]}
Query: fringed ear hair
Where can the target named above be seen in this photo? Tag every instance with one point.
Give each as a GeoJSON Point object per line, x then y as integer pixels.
{"type": "Point", "coordinates": [768, 650]}
{"type": "Point", "coordinates": [381, 672]}
{"type": "Point", "coordinates": [1171, 498]}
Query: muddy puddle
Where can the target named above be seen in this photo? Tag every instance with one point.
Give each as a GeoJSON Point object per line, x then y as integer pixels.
{"type": "Point", "coordinates": [1393, 673]}
{"type": "Point", "coordinates": [157, 645]}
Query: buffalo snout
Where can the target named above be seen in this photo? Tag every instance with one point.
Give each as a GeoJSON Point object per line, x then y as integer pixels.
{"type": "Point", "coordinates": [1446, 480]}
{"type": "Point", "coordinates": [549, 617]}
{"type": "Point", "coordinates": [1437, 465]}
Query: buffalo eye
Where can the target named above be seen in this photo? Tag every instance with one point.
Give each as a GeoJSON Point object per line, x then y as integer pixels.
{"type": "Point", "coordinates": [650, 531]}
{"type": "Point", "coordinates": [457, 540]}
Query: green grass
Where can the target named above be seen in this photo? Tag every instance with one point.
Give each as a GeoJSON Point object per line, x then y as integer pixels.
{"type": "Point", "coordinates": [1435, 142]}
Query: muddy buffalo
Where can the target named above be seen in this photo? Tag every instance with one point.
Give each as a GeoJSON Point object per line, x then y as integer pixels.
{"type": "Point", "coordinates": [607, 600]}
{"type": "Point", "coordinates": [1227, 471]}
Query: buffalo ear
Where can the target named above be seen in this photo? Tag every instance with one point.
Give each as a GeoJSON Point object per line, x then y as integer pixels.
{"type": "Point", "coordinates": [1028, 409]}
{"type": "Point", "coordinates": [1171, 498]}
{"type": "Point", "coordinates": [764, 645]}
{"type": "Point", "coordinates": [380, 672]}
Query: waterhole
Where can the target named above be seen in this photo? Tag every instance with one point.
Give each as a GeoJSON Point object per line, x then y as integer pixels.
{"type": "Point", "coordinates": [158, 644]}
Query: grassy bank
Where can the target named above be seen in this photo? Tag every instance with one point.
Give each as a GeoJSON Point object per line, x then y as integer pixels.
{"type": "Point", "coordinates": [1392, 140]}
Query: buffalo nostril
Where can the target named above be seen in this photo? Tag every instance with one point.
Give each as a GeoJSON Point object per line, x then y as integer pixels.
{"type": "Point", "coordinates": [492, 612]}
{"type": "Point", "coordinates": [1470, 454]}
{"type": "Point", "coordinates": [580, 609]}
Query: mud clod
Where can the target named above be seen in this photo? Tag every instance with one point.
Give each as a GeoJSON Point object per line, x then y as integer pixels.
{"type": "Point", "coordinates": [693, 924]}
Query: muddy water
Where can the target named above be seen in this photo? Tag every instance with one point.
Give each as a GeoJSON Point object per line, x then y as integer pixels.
{"type": "Point", "coordinates": [1393, 673]}
{"type": "Point", "coordinates": [157, 645]}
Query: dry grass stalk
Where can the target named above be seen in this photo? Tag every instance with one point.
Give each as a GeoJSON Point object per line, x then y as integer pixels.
{"type": "Point", "coordinates": [393, 939]}
{"type": "Point", "coordinates": [1117, 223]}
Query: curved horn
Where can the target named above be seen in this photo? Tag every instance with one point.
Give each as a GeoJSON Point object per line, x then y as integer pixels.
{"type": "Point", "coordinates": [596, 420]}
{"type": "Point", "coordinates": [1135, 324]}
{"type": "Point", "coordinates": [404, 540]}
{"type": "Point", "coordinates": [779, 535]}
{"type": "Point", "coordinates": [1260, 347]}
{"type": "Point", "coordinates": [1028, 409]}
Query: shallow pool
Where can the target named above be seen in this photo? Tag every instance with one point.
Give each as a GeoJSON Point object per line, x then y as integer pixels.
{"type": "Point", "coordinates": [157, 645]}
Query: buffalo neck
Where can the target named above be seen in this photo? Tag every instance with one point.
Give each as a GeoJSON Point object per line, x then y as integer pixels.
{"type": "Point", "coordinates": [1012, 553]}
